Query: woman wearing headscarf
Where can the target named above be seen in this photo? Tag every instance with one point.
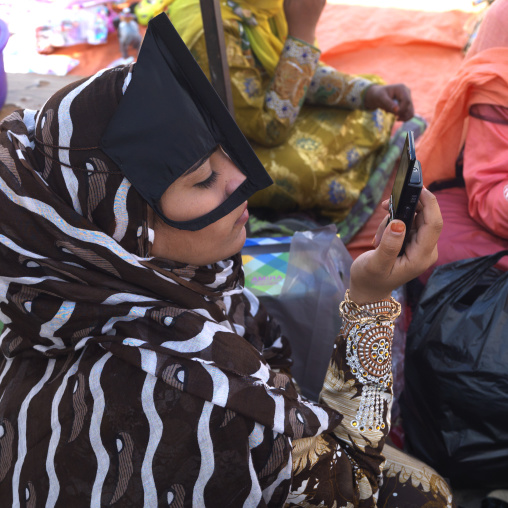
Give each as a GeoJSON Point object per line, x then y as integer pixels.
{"type": "Point", "coordinates": [137, 370]}
{"type": "Point", "coordinates": [465, 151]}
{"type": "Point", "coordinates": [317, 131]}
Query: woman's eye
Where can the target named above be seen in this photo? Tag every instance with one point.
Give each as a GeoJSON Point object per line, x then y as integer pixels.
{"type": "Point", "coordinates": [206, 184]}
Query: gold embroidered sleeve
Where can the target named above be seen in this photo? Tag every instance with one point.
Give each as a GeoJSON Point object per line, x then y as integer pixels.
{"type": "Point", "coordinates": [265, 108]}
{"type": "Point", "coordinates": [288, 88]}
{"type": "Point", "coordinates": [330, 87]}
{"type": "Point", "coordinates": [358, 383]}
{"type": "Point", "coordinates": [358, 386]}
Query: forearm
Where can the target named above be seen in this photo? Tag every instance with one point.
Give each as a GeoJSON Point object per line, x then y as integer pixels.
{"type": "Point", "coordinates": [329, 87]}
{"type": "Point", "coordinates": [290, 83]}
{"type": "Point", "coordinates": [265, 109]}
{"type": "Point", "coordinates": [358, 383]}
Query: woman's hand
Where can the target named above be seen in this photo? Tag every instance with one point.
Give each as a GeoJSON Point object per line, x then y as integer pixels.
{"type": "Point", "coordinates": [302, 17]}
{"type": "Point", "coordinates": [395, 99]}
{"type": "Point", "coordinates": [376, 273]}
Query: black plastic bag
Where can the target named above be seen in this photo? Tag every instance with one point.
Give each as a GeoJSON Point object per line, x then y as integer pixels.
{"type": "Point", "coordinates": [455, 400]}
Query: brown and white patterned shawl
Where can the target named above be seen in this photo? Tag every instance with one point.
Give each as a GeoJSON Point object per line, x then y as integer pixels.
{"type": "Point", "coordinates": [110, 354]}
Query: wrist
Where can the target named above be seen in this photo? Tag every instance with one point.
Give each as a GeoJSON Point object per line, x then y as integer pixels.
{"type": "Point", "coordinates": [383, 310]}
{"type": "Point", "coordinates": [368, 96]}
{"type": "Point", "coordinates": [366, 297]}
{"type": "Point", "coordinates": [307, 36]}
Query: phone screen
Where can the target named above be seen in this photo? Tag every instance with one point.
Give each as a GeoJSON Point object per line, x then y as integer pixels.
{"type": "Point", "coordinates": [401, 176]}
{"type": "Point", "coordinates": [406, 188]}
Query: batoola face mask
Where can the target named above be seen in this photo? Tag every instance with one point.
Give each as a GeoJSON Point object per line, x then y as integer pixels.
{"type": "Point", "coordinates": [170, 120]}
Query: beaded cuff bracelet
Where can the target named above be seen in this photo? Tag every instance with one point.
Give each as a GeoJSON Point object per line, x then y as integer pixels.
{"type": "Point", "coordinates": [368, 355]}
{"type": "Point", "coordinates": [376, 312]}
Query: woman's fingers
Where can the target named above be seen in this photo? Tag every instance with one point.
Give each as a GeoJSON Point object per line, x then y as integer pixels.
{"type": "Point", "coordinates": [402, 94]}
{"type": "Point", "coordinates": [389, 246]}
{"type": "Point", "coordinates": [379, 232]}
{"type": "Point", "coordinates": [429, 222]}
{"type": "Point", "coordinates": [372, 276]}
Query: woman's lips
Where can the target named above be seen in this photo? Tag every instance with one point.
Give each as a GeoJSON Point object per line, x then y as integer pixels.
{"type": "Point", "coordinates": [244, 217]}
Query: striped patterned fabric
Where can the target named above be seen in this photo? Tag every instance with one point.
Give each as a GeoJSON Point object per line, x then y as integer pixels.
{"type": "Point", "coordinates": [130, 380]}
{"type": "Point", "coordinates": [115, 363]}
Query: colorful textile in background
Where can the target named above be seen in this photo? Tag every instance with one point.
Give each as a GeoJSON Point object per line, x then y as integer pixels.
{"type": "Point", "coordinates": [421, 49]}
{"type": "Point", "coordinates": [265, 262]}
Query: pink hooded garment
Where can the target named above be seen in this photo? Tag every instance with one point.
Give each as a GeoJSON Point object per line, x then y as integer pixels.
{"type": "Point", "coordinates": [475, 219]}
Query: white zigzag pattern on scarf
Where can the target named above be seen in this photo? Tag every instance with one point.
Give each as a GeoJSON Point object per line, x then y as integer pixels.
{"type": "Point", "coordinates": [120, 210]}
{"type": "Point", "coordinates": [54, 484]}
{"type": "Point", "coordinates": [49, 213]}
{"type": "Point", "coordinates": [134, 313]}
{"type": "Point", "coordinates": [95, 430]}
{"type": "Point", "coordinates": [156, 426]}
{"type": "Point", "coordinates": [49, 328]}
{"type": "Point", "coordinates": [22, 419]}
{"type": "Point", "coordinates": [207, 465]}
{"type": "Point", "coordinates": [255, 493]}
{"type": "Point", "coordinates": [65, 131]}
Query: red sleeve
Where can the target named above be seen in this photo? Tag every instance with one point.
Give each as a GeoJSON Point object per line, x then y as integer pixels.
{"type": "Point", "coordinates": [486, 170]}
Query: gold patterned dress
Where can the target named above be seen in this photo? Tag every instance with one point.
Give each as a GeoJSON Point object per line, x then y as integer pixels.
{"type": "Point", "coordinates": [305, 122]}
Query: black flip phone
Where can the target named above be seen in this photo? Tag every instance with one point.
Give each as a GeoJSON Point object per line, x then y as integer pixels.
{"type": "Point", "coordinates": [407, 188]}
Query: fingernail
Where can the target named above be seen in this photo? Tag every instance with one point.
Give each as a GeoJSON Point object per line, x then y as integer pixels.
{"type": "Point", "coordinates": [397, 227]}
{"type": "Point", "coordinates": [373, 241]}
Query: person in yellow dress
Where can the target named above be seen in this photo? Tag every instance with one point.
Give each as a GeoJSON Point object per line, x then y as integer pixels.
{"type": "Point", "coordinates": [318, 132]}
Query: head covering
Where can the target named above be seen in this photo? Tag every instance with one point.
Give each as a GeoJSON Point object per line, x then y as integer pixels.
{"type": "Point", "coordinates": [493, 31]}
{"type": "Point", "coordinates": [481, 79]}
{"type": "Point", "coordinates": [76, 278]}
{"type": "Point", "coordinates": [263, 21]}
{"type": "Point", "coordinates": [170, 121]}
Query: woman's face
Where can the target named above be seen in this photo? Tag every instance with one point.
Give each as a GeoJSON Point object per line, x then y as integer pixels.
{"type": "Point", "coordinates": [194, 194]}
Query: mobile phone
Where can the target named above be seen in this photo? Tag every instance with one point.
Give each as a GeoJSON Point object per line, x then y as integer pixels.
{"type": "Point", "coordinates": [407, 188]}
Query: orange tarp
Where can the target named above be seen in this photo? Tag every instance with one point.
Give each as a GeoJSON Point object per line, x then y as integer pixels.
{"type": "Point", "coordinates": [421, 49]}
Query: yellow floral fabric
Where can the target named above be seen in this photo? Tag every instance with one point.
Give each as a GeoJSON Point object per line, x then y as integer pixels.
{"type": "Point", "coordinates": [305, 123]}
{"type": "Point", "coordinates": [263, 23]}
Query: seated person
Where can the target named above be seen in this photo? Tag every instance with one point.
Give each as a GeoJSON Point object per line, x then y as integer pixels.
{"type": "Point", "coordinates": [317, 131]}
{"type": "Point", "coordinates": [464, 153]}
{"type": "Point", "coordinates": [137, 370]}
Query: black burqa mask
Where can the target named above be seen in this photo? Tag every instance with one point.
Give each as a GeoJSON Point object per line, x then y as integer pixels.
{"type": "Point", "coordinates": [170, 120]}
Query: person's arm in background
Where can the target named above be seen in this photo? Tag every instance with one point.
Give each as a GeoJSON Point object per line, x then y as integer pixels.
{"type": "Point", "coordinates": [331, 87]}
{"type": "Point", "coordinates": [486, 167]}
{"type": "Point", "coordinates": [265, 109]}
{"type": "Point", "coordinates": [282, 100]}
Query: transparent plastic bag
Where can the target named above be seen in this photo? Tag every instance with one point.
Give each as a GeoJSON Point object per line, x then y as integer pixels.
{"type": "Point", "coordinates": [308, 306]}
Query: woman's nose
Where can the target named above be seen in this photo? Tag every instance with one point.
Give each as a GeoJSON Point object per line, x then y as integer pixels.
{"type": "Point", "coordinates": [234, 178]}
